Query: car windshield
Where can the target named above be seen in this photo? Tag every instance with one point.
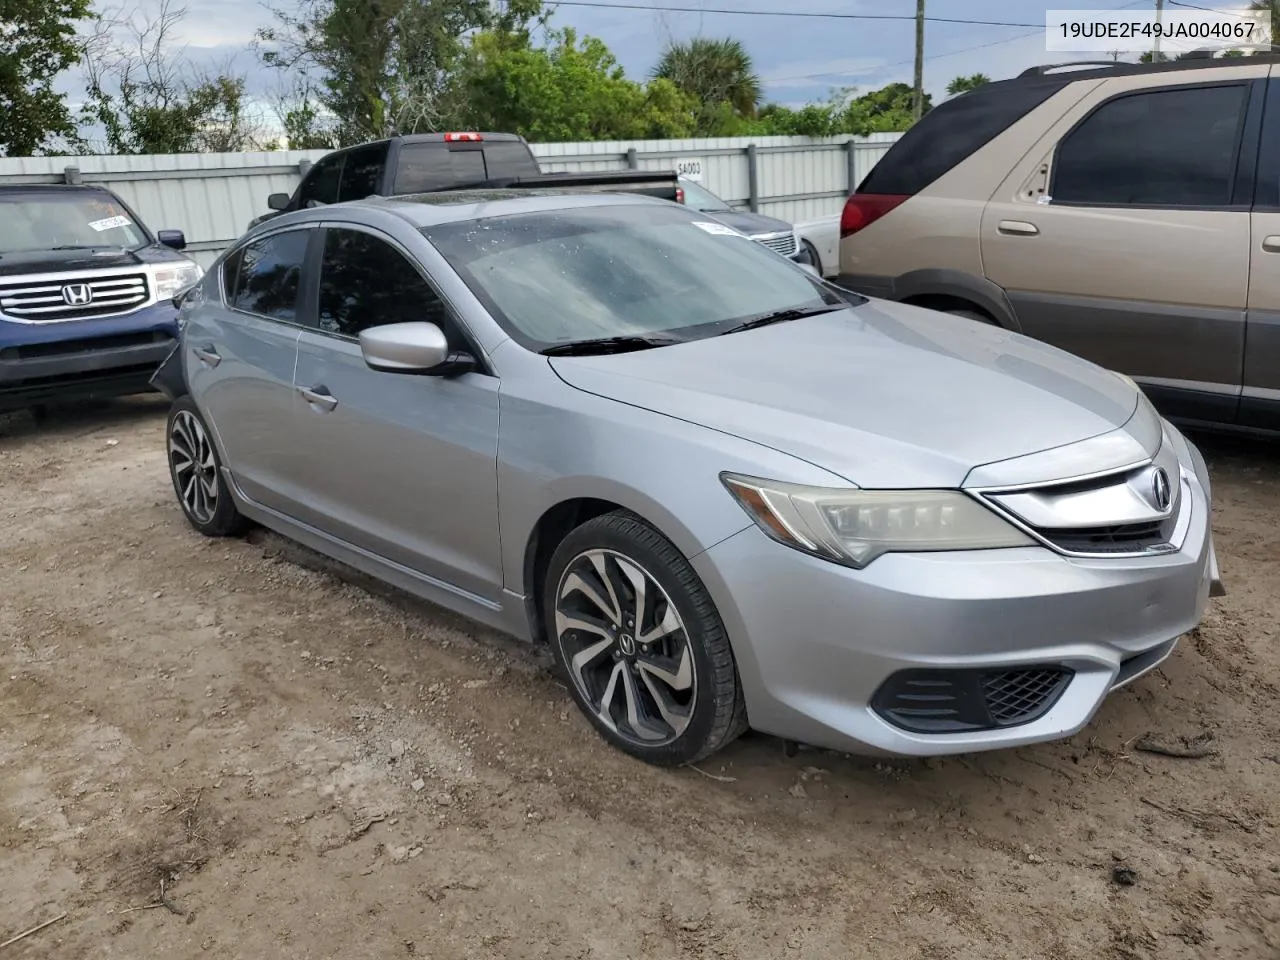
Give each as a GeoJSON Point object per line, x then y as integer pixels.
{"type": "Point", "coordinates": [657, 271]}
{"type": "Point", "coordinates": [697, 198]}
{"type": "Point", "coordinates": [70, 220]}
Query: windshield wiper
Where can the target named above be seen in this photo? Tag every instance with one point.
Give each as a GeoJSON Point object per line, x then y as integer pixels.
{"type": "Point", "coordinates": [781, 316]}
{"type": "Point", "coordinates": [623, 344]}
{"type": "Point", "coordinates": [82, 246]}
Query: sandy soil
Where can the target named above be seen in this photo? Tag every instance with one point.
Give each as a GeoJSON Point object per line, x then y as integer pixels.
{"type": "Point", "coordinates": [230, 749]}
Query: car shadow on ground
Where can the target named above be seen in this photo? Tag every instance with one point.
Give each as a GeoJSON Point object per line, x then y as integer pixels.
{"type": "Point", "coordinates": [81, 418]}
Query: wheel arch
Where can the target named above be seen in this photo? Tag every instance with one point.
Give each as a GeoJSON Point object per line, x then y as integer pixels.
{"type": "Point", "coordinates": [955, 289]}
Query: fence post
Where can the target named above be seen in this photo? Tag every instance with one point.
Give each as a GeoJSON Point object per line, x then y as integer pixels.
{"type": "Point", "coordinates": [71, 175]}
{"type": "Point", "coordinates": [851, 161]}
{"type": "Point", "coordinates": [632, 162]}
{"type": "Point", "coordinates": [753, 178]}
{"type": "Point", "coordinates": [303, 167]}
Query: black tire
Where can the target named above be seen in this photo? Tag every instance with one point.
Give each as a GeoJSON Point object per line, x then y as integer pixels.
{"type": "Point", "coordinates": [716, 712]}
{"type": "Point", "coordinates": [976, 315]}
{"type": "Point", "coordinates": [219, 517]}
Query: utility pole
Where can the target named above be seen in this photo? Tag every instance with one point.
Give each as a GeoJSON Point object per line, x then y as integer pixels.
{"type": "Point", "coordinates": [1155, 57]}
{"type": "Point", "coordinates": [918, 107]}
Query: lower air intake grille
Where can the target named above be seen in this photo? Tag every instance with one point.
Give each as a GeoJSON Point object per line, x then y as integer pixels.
{"type": "Point", "coordinates": [955, 701]}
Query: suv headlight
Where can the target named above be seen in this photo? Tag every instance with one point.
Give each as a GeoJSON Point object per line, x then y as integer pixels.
{"type": "Point", "coordinates": [171, 279]}
{"type": "Point", "coordinates": [853, 527]}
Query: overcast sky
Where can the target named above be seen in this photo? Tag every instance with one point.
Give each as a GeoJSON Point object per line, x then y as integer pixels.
{"type": "Point", "coordinates": [798, 58]}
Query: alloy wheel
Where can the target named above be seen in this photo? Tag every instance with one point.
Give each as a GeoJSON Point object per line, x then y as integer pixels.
{"type": "Point", "coordinates": [625, 647]}
{"type": "Point", "coordinates": [194, 466]}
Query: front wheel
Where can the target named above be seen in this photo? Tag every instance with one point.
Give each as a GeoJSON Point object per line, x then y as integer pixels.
{"type": "Point", "coordinates": [196, 472]}
{"type": "Point", "coordinates": [645, 652]}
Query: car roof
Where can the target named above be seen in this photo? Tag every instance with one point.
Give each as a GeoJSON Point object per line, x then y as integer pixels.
{"type": "Point", "coordinates": [452, 206]}
{"type": "Point", "coordinates": [38, 188]}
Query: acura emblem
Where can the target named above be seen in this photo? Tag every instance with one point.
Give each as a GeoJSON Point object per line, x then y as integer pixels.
{"type": "Point", "coordinates": [1161, 492]}
{"type": "Point", "coordinates": [77, 294]}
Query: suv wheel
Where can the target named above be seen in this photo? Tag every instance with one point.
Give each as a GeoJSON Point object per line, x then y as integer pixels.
{"type": "Point", "coordinates": [196, 472]}
{"type": "Point", "coordinates": [646, 655]}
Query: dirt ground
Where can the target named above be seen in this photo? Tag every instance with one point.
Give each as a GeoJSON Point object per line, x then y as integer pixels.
{"type": "Point", "coordinates": [233, 749]}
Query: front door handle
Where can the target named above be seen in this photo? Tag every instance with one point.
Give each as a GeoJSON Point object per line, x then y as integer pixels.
{"type": "Point", "coordinates": [207, 355]}
{"type": "Point", "coordinates": [1271, 244]}
{"type": "Point", "coordinates": [319, 397]}
{"type": "Point", "coordinates": [1018, 228]}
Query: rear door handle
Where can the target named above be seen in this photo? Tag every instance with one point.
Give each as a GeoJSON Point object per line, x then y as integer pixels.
{"type": "Point", "coordinates": [319, 397]}
{"type": "Point", "coordinates": [1271, 244]}
{"type": "Point", "coordinates": [207, 355]}
{"type": "Point", "coordinates": [1018, 228]}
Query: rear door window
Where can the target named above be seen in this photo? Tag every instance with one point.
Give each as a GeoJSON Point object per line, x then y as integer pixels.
{"type": "Point", "coordinates": [362, 173]}
{"type": "Point", "coordinates": [268, 275]}
{"type": "Point", "coordinates": [1161, 148]}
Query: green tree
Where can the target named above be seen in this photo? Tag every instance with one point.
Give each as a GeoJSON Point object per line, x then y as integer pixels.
{"type": "Point", "coordinates": [142, 99]}
{"type": "Point", "coordinates": [887, 110]}
{"type": "Point", "coordinates": [385, 66]}
{"type": "Point", "coordinates": [568, 89]}
{"type": "Point", "coordinates": [1272, 7]}
{"type": "Point", "coordinates": [965, 84]}
{"type": "Point", "coordinates": [37, 43]}
{"type": "Point", "coordinates": [715, 73]}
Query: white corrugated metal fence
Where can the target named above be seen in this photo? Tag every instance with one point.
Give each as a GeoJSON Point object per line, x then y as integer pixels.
{"type": "Point", "coordinates": [213, 196]}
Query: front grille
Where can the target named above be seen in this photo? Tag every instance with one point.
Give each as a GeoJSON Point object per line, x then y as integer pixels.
{"type": "Point", "coordinates": [73, 298]}
{"type": "Point", "coordinates": [62, 348]}
{"type": "Point", "coordinates": [1119, 538]}
{"type": "Point", "coordinates": [783, 243]}
{"type": "Point", "coordinates": [956, 701]}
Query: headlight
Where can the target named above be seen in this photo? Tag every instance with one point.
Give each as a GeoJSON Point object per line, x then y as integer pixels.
{"type": "Point", "coordinates": [172, 279]}
{"type": "Point", "coordinates": [853, 527]}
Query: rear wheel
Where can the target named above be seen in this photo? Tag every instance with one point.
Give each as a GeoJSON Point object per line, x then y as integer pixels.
{"type": "Point", "coordinates": [635, 631]}
{"type": "Point", "coordinates": [196, 472]}
{"type": "Point", "coordinates": [812, 253]}
{"type": "Point", "coordinates": [976, 315]}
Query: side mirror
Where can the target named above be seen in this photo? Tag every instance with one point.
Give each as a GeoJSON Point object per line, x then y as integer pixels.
{"type": "Point", "coordinates": [278, 201]}
{"type": "Point", "coordinates": [412, 348]}
{"type": "Point", "coordinates": [175, 239]}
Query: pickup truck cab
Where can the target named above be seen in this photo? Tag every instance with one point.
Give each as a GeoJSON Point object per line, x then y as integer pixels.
{"type": "Point", "coordinates": [86, 295]}
{"type": "Point", "coordinates": [435, 162]}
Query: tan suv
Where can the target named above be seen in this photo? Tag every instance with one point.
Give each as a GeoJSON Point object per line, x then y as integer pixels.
{"type": "Point", "coordinates": [1129, 214]}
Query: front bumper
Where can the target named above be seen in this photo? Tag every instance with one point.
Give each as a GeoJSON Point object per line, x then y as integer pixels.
{"type": "Point", "coordinates": [815, 641]}
{"type": "Point", "coordinates": [84, 359]}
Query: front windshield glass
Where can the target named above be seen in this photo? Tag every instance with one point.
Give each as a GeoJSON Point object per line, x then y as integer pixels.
{"type": "Point", "coordinates": [696, 198]}
{"type": "Point", "coordinates": [563, 276]}
{"type": "Point", "coordinates": [74, 219]}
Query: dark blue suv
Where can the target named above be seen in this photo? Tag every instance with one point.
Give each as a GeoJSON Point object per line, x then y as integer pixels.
{"type": "Point", "coordinates": [86, 295]}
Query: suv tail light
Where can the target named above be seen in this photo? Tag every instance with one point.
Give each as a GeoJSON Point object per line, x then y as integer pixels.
{"type": "Point", "coordinates": [679, 194]}
{"type": "Point", "coordinates": [863, 209]}
{"type": "Point", "coordinates": [462, 137]}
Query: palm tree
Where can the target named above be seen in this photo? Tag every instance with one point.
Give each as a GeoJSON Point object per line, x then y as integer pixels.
{"type": "Point", "coordinates": [714, 72]}
{"type": "Point", "coordinates": [965, 84]}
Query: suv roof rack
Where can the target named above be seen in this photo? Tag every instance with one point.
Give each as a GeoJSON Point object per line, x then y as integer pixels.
{"type": "Point", "coordinates": [1044, 68]}
{"type": "Point", "coordinates": [1192, 60]}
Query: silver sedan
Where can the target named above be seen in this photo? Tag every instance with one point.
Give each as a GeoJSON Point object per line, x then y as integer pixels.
{"type": "Point", "coordinates": [725, 493]}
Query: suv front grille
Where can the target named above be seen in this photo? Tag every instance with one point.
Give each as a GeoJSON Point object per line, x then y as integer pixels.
{"type": "Point", "coordinates": [783, 243]}
{"type": "Point", "coordinates": [956, 701]}
{"type": "Point", "coordinates": [73, 298]}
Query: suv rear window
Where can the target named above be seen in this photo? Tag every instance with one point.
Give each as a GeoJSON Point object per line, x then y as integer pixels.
{"type": "Point", "coordinates": [952, 132]}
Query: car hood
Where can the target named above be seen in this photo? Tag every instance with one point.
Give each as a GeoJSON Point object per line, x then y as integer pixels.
{"type": "Point", "coordinates": [751, 223]}
{"type": "Point", "coordinates": [31, 262]}
{"type": "Point", "coordinates": [883, 395]}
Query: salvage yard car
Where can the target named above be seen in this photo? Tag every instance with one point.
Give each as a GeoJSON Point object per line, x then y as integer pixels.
{"type": "Point", "coordinates": [725, 492]}
{"type": "Point", "coordinates": [86, 295]}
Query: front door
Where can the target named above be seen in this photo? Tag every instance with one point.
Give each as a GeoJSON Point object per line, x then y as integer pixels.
{"type": "Point", "coordinates": [401, 465]}
{"type": "Point", "coordinates": [240, 359]}
{"type": "Point", "coordinates": [1260, 394]}
{"type": "Point", "coordinates": [1123, 237]}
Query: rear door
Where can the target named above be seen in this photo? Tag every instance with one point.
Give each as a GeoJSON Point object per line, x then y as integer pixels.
{"type": "Point", "coordinates": [1124, 235]}
{"type": "Point", "coordinates": [239, 358]}
{"type": "Point", "coordinates": [1260, 394]}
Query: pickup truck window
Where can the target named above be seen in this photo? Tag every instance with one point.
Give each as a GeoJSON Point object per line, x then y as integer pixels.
{"type": "Point", "coordinates": [362, 173]}
{"type": "Point", "coordinates": [423, 167]}
{"type": "Point", "coordinates": [321, 185]}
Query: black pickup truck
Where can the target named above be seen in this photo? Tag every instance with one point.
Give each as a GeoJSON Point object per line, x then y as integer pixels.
{"type": "Point", "coordinates": [431, 162]}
